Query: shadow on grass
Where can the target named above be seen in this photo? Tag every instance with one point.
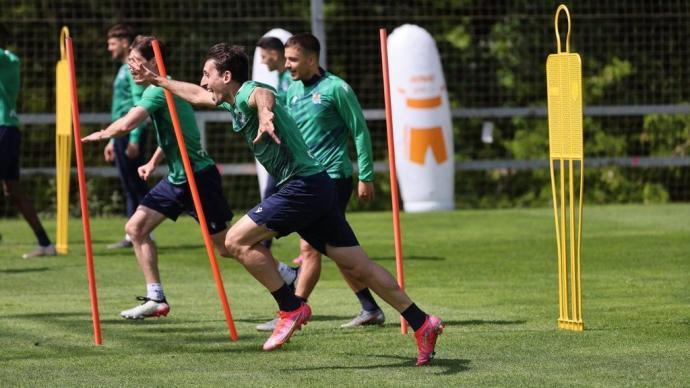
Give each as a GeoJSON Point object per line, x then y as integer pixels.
{"type": "Point", "coordinates": [12, 271]}
{"type": "Point", "coordinates": [412, 257]}
{"type": "Point", "coordinates": [473, 322]}
{"type": "Point", "coordinates": [314, 318]}
{"type": "Point", "coordinates": [449, 366]}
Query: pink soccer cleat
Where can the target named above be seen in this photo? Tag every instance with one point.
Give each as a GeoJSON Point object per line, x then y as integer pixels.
{"type": "Point", "coordinates": [289, 322]}
{"type": "Point", "coordinates": [426, 337]}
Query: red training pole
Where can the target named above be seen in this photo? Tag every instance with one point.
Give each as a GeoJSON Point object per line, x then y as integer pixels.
{"type": "Point", "coordinates": [391, 166]}
{"type": "Point", "coordinates": [195, 193]}
{"type": "Point", "coordinates": [82, 194]}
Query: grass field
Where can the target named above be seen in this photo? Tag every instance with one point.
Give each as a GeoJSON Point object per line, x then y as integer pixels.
{"type": "Point", "coordinates": [490, 274]}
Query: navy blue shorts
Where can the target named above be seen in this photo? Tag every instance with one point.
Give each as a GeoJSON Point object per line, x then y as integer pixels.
{"type": "Point", "coordinates": [171, 200]}
{"type": "Point", "coordinates": [309, 206]}
{"type": "Point", "coordinates": [343, 190]}
{"type": "Point", "coordinates": [10, 140]}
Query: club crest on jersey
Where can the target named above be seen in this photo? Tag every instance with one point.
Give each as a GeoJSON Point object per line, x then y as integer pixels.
{"type": "Point", "coordinates": [240, 119]}
{"type": "Point", "coordinates": [316, 98]}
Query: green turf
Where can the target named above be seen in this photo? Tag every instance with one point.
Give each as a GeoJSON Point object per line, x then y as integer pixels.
{"type": "Point", "coordinates": [490, 274]}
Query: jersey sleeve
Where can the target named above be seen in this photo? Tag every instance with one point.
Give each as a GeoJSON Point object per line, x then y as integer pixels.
{"type": "Point", "coordinates": [152, 100]}
{"type": "Point", "coordinates": [351, 112]}
{"type": "Point", "coordinates": [136, 91]}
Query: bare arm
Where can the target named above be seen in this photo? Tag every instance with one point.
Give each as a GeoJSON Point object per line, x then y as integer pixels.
{"type": "Point", "coordinates": [147, 169]}
{"type": "Point", "coordinates": [119, 127]}
{"type": "Point", "coordinates": [192, 93]}
{"type": "Point", "coordinates": [264, 101]}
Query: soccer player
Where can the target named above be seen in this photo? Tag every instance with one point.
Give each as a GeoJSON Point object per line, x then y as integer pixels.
{"type": "Point", "coordinates": [305, 203]}
{"type": "Point", "coordinates": [10, 142]}
{"type": "Point", "coordinates": [171, 196]}
{"type": "Point", "coordinates": [126, 151]}
{"type": "Point", "coordinates": [273, 56]}
{"type": "Point", "coordinates": [327, 112]}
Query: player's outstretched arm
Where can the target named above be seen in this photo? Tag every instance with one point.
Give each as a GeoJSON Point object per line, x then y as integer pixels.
{"type": "Point", "coordinates": [264, 101]}
{"type": "Point", "coordinates": [119, 127]}
{"type": "Point", "coordinates": [192, 93]}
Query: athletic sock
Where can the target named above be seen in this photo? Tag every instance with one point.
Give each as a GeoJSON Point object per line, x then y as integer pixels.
{"type": "Point", "coordinates": [287, 273]}
{"type": "Point", "coordinates": [367, 300]}
{"type": "Point", "coordinates": [155, 291]}
{"type": "Point", "coordinates": [42, 237]}
{"type": "Point", "coordinates": [287, 301]}
{"type": "Point", "coordinates": [414, 316]}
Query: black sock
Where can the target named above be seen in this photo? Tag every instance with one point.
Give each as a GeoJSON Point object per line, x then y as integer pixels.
{"type": "Point", "coordinates": [366, 300]}
{"type": "Point", "coordinates": [304, 300]}
{"type": "Point", "coordinates": [42, 237]}
{"type": "Point", "coordinates": [287, 301]}
{"type": "Point", "coordinates": [414, 316]}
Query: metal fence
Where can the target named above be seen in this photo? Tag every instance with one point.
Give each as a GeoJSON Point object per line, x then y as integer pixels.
{"type": "Point", "coordinates": [635, 62]}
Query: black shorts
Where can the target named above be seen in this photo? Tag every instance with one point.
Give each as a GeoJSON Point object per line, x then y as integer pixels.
{"type": "Point", "coordinates": [309, 206]}
{"type": "Point", "coordinates": [10, 140]}
{"type": "Point", "coordinates": [171, 200]}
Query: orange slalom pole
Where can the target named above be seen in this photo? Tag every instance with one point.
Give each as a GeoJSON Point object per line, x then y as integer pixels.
{"type": "Point", "coordinates": [391, 166]}
{"type": "Point", "coordinates": [195, 194]}
{"type": "Point", "coordinates": [82, 194]}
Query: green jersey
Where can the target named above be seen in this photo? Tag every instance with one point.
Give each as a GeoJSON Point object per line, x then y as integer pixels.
{"type": "Point", "coordinates": [125, 94]}
{"type": "Point", "coordinates": [9, 88]}
{"type": "Point", "coordinates": [326, 112]}
{"type": "Point", "coordinates": [284, 82]}
{"type": "Point", "coordinates": [153, 100]}
{"type": "Point", "coordinates": [282, 161]}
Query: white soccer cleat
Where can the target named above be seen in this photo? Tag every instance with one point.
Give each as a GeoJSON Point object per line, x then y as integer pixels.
{"type": "Point", "coordinates": [268, 326]}
{"type": "Point", "coordinates": [150, 308]}
{"type": "Point", "coordinates": [366, 318]}
{"type": "Point", "coordinates": [41, 251]}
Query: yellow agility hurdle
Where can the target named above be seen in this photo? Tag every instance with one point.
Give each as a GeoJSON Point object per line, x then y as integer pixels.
{"type": "Point", "coordinates": [564, 91]}
{"type": "Point", "coordinates": [63, 145]}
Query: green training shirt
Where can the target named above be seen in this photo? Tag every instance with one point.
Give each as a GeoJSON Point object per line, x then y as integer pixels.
{"type": "Point", "coordinates": [284, 82]}
{"type": "Point", "coordinates": [9, 88]}
{"type": "Point", "coordinates": [327, 112]}
{"type": "Point", "coordinates": [282, 161]}
{"type": "Point", "coordinates": [153, 100]}
{"type": "Point", "coordinates": [126, 93]}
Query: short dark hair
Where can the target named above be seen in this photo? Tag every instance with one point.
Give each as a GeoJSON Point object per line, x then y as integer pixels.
{"type": "Point", "coordinates": [121, 31]}
{"type": "Point", "coordinates": [306, 41]}
{"type": "Point", "coordinates": [142, 44]}
{"type": "Point", "coordinates": [230, 58]}
{"type": "Point", "coordinates": [271, 43]}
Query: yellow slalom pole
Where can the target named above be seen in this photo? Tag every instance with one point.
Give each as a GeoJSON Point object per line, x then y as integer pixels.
{"type": "Point", "coordinates": [63, 145]}
{"type": "Point", "coordinates": [566, 147]}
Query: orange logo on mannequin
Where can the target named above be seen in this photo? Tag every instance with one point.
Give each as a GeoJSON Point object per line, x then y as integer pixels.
{"type": "Point", "coordinates": [421, 139]}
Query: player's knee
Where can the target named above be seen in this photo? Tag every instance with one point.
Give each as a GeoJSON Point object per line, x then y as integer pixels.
{"type": "Point", "coordinates": [233, 247]}
{"type": "Point", "coordinates": [134, 230]}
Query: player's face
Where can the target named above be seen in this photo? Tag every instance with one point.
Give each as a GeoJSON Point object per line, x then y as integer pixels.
{"type": "Point", "coordinates": [135, 61]}
{"type": "Point", "coordinates": [270, 59]}
{"type": "Point", "coordinates": [298, 63]}
{"type": "Point", "coordinates": [217, 84]}
{"type": "Point", "coordinates": [118, 48]}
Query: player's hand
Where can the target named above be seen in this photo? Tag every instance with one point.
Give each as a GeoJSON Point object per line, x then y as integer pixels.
{"type": "Point", "coordinates": [96, 136]}
{"type": "Point", "coordinates": [365, 191]}
{"type": "Point", "coordinates": [132, 150]}
{"type": "Point", "coordinates": [266, 126]}
{"type": "Point", "coordinates": [109, 153]}
{"type": "Point", "coordinates": [146, 170]}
